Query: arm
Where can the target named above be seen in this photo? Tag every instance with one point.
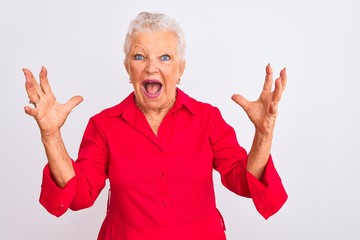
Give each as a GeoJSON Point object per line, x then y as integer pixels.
{"type": "Point", "coordinates": [50, 116]}
{"type": "Point", "coordinates": [59, 161]}
{"type": "Point", "coordinates": [90, 169]}
{"type": "Point", "coordinates": [230, 159]}
{"type": "Point", "coordinates": [263, 114]}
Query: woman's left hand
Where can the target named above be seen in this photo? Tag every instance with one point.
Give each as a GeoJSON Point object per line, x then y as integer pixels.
{"type": "Point", "coordinates": [263, 111]}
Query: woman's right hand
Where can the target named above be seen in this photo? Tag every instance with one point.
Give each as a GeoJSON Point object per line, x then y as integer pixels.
{"type": "Point", "coordinates": [49, 114]}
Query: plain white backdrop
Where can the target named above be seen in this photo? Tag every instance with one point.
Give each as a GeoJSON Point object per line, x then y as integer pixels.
{"type": "Point", "coordinates": [229, 43]}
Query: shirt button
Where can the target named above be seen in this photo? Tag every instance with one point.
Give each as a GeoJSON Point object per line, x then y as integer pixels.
{"type": "Point", "coordinates": [164, 204]}
{"type": "Point", "coordinates": [162, 175]}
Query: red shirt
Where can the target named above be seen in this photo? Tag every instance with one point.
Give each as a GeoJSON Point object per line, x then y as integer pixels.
{"type": "Point", "coordinates": [161, 186]}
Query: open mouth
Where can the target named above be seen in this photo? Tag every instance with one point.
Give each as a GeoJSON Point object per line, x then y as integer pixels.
{"type": "Point", "coordinates": [152, 88]}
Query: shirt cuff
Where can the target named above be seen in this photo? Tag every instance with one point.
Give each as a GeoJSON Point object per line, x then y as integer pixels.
{"type": "Point", "coordinates": [56, 200]}
{"type": "Point", "coordinates": [268, 194]}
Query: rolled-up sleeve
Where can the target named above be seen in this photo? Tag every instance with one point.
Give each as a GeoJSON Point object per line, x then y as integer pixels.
{"type": "Point", "coordinates": [269, 194]}
{"type": "Point", "coordinates": [56, 200]}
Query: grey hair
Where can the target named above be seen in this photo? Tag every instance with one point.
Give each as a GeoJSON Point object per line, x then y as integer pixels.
{"type": "Point", "coordinates": [147, 22]}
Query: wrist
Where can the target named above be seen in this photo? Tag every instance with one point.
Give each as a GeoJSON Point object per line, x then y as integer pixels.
{"type": "Point", "coordinates": [47, 137]}
{"type": "Point", "coordinates": [262, 135]}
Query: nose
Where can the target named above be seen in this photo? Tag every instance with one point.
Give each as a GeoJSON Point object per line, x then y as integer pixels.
{"type": "Point", "coordinates": [152, 65]}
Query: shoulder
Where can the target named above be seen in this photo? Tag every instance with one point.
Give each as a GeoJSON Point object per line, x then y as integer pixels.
{"type": "Point", "coordinates": [195, 106]}
{"type": "Point", "coordinates": [118, 109]}
{"type": "Point", "coordinates": [210, 117]}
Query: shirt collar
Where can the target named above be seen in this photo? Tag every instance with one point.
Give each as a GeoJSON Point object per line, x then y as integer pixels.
{"type": "Point", "coordinates": [183, 100]}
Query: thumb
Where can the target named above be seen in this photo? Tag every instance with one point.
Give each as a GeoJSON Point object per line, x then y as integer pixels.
{"type": "Point", "coordinates": [73, 102]}
{"type": "Point", "coordinates": [240, 100]}
{"type": "Point", "coordinates": [273, 109]}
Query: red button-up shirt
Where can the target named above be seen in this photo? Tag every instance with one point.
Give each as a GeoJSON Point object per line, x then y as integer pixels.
{"type": "Point", "coordinates": [161, 186]}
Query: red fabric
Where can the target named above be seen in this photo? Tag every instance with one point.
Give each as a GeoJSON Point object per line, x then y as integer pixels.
{"type": "Point", "coordinates": [161, 186]}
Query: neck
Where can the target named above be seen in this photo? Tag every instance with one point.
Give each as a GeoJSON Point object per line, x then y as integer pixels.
{"type": "Point", "coordinates": [162, 111]}
{"type": "Point", "coordinates": [156, 116]}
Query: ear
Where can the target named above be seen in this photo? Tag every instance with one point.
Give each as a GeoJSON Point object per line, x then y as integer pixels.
{"type": "Point", "coordinates": [182, 67]}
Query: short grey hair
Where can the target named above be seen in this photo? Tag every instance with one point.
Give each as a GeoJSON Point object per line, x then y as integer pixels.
{"type": "Point", "coordinates": [147, 22]}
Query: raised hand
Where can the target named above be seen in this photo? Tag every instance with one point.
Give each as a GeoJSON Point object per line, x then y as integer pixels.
{"type": "Point", "coordinates": [263, 111]}
{"type": "Point", "coordinates": [49, 114]}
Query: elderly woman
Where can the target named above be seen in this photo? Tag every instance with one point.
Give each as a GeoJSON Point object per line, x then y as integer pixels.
{"type": "Point", "coordinates": [158, 147]}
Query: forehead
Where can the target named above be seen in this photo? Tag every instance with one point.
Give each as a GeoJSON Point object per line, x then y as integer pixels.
{"type": "Point", "coordinates": [154, 41]}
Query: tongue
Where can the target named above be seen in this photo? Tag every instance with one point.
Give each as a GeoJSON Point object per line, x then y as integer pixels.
{"type": "Point", "coordinates": [152, 88]}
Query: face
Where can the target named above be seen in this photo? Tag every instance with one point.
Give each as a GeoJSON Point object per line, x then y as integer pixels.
{"type": "Point", "coordinates": [154, 67]}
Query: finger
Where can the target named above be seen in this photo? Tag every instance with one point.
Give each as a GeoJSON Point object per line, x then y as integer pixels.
{"type": "Point", "coordinates": [31, 85]}
{"type": "Point", "coordinates": [277, 91]}
{"type": "Point", "coordinates": [44, 82]}
{"type": "Point", "coordinates": [273, 109]}
{"type": "Point", "coordinates": [283, 75]}
{"type": "Point", "coordinates": [268, 78]}
{"type": "Point", "coordinates": [280, 85]}
{"type": "Point", "coordinates": [73, 102]}
{"type": "Point", "coordinates": [30, 111]}
{"type": "Point", "coordinates": [241, 101]}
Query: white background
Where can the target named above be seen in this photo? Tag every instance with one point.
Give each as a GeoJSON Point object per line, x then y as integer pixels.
{"type": "Point", "coordinates": [229, 43]}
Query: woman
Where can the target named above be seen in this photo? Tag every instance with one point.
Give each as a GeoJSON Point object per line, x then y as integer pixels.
{"type": "Point", "coordinates": [158, 147]}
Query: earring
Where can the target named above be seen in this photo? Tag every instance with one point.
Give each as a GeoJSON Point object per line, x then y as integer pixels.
{"type": "Point", "coordinates": [179, 81]}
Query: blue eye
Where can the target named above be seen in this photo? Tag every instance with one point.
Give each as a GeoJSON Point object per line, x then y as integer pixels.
{"type": "Point", "coordinates": [165, 57]}
{"type": "Point", "coordinates": [139, 57]}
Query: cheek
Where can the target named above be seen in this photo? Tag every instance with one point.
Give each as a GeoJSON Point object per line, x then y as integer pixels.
{"type": "Point", "coordinates": [171, 82]}
{"type": "Point", "coordinates": [134, 72]}
{"type": "Point", "coordinates": [173, 71]}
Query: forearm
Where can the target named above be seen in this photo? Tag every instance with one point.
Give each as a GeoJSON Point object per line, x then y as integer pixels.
{"type": "Point", "coordinates": [259, 154]}
{"type": "Point", "coordinates": [60, 163]}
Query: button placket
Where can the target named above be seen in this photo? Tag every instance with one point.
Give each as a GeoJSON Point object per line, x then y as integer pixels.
{"type": "Point", "coordinates": [162, 178]}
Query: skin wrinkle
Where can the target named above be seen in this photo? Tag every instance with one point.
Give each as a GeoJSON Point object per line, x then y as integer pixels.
{"type": "Point", "coordinates": [151, 66]}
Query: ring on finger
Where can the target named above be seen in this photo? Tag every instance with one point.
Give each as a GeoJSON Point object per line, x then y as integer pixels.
{"type": "Point", "coordinates": [34, 102]}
